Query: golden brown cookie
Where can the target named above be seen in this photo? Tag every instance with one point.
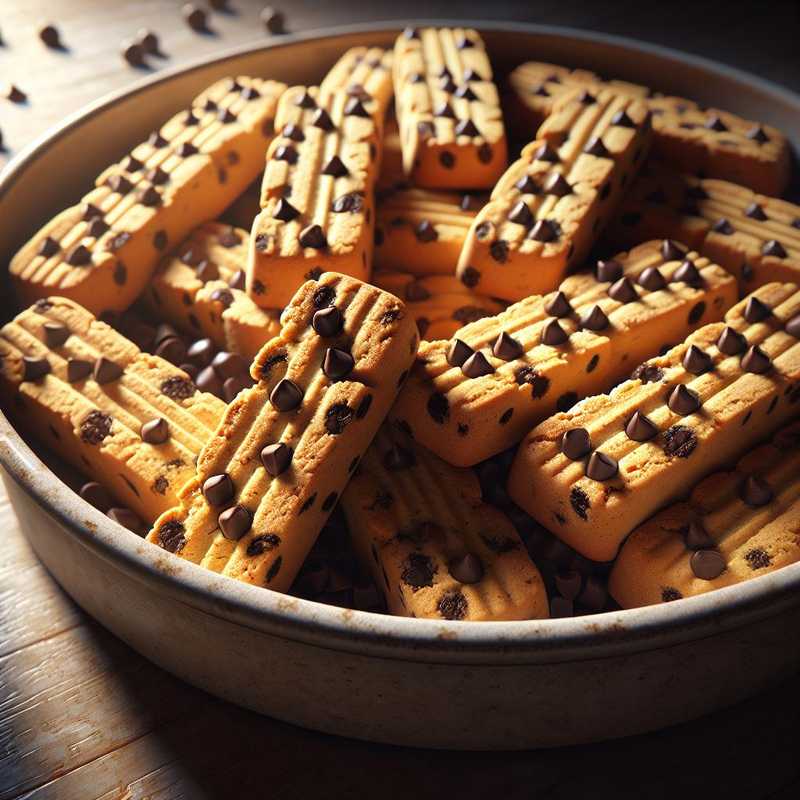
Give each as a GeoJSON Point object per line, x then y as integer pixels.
{"type": "Point", "coordinates": [550, 206]}
{"type": "Point", "coordinates": [423, 231]}
{"type": "Point", "coordinates": [285, 449]}
{"type": "Point", "coordinates": [440, 304]}
{"type": "Point", "coordinates": [594, 473]}
{"type": "Point", "coordinates": [448, 109]}
{"type": "Point", "coordinates": [754, 236]}
{"type": "Point", "coordinates": [735, 526]}
{"type": "Point", "coordinates": [709, 142]}
{"type": "Point", "coordinates": [316, 198]}
{"type": "Point", "coordinates": [479, 393]}
{"type": "Point", "coordinates": [129, 420]}
{"type": "Point", "coordinates": [435, 549]}
{"type": "Point", "coordinates": [200, 290]}
{"type": "Point", "coordinates": [391, 175]}
{"type": "Point", "coordinates": [102, 252]}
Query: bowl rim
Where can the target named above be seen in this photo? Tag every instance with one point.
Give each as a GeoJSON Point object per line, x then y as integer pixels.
{"type": "Point", "coordinates": [529, 641]}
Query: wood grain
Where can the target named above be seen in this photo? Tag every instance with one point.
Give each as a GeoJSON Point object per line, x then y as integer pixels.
{"type": "Point", "coordinates": [83, 716]}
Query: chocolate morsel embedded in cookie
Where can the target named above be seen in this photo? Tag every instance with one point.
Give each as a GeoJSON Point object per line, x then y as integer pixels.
{"type": "Point", "coordinates": [553, 334]}
{"type": "Point", "coordinates": [313, 236]}
{"type": "Point", "coordinates": [671, 251]}
{"type": "Point", "coordinates": [425, 232]}
{"type": "Point", "coordinates": [793, 326]}
{"type": "Point", "coordinates": [106, 370]}
{"type": "Point", "coordinates": [756, 310]}
{"type": "Point", "coordinates": [595, 319]}
{"type": "Point", "coordinates": [755, 211]}
{"type": "Point", "coordinates": [731, 342]}
{"type": "Point", "coordinates": [466, 569]}
{"type": "Point", "coordinates": [286, 153]}
{"type": "Point", "coordinates": [155, 431]}
{"type": "Point", "coordinates": [651, 279]}
{"type": "Point", "coordinates": [558, 305]}
{"type": "Point", "coordinates": [707, 564]}
{"type": "Point", "coordinates": [601, 467]}
{"type": "Point", "coordinates": [335, 168]}
{"type": "Point", "coordinates": [238, 281]}
{"type": "Point", "coordinates": [466, 127]}
{"type": "Point", "coordinates": [218, 490]}
{"type": "Point", "coordinates": [285, 211]}
{"type": "Point", "coordinates": [34, 368]}
{"type": "Point", "coordinates": [337, 364]}
{"type": "Point", "coordinates": [683, 401]}
{"type": "Point", "coordinates": [476, 366]}
{"type": "Point", "coordinates": [327, 321]}
{"type": "Point", "coordinates": [756, 361]}
{"type": "Point", "coordinates": [321, 119]}
{"type": "Point", "coordinates": [640, 428]}
{"type": "Point", "coordinates": [79, 256]}
{"type": "Point", "coordinates": [78, 369]}
{"type": "Point", "coordinates": [55, 334]}
{"type": "Point", "coordinates": [723, 226]}
{"type": "Point", "coordinates": [696, 361]}
{"type": "Point", "coordinates": [234, 522]}
{"type": "Point", "coordinates": [757, 558]}
{"type": "Point", "coordinates": [557, 185]}
{"type": "Point", "coordinates": [526, 185]}
{"type": "Point", "coordinates": [622, 119]}
{"type": "Point", "coordinates": [755, 491]}
{"type": "Point", "coordinates": [95, 427]}
{"type": "Point", "coordinates": [507, 347]}
{"type": "Point", "coordinates": [50, 36]}
{"type": "Point", "coordinates": [688, 273]}
{"type": "Point", "coordinates": [609, 270]}
{"type": "Point", "coordinates": [623, 291]}
{"type": "Point", "coordinates": [286, 396]}
{"type": "Point", "coordinates": [576, 443]}
{"type": "Point", "coordinates": [680, 441]}
{"type": "Point", "coordinates": [276, 458]}
{"type": "Point", "coordinates": [595, 147]}
{"type": "Point", "coordinates": [201, 352]}
{"type": "Point", "coordinates": [458, 352]}
{"type": "Point", "coordinates": [97, 495]}
{"type": "Point", "coordinates": [521, 214]}
{"type": "Point", "coordinates": [774, 248]}
{"type": "Point", "coordinates": [227, 365]}
{"type": "Point", "coordinates": [697, 538]}
{"type": "Point", "coordinates": [49, 247]}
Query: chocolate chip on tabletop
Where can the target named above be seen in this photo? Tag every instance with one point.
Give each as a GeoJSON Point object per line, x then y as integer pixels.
{"type": "Point", "coordinates": [195, 17]}
{"type": "Point", "coordinates": [273, 20]}
{"type": "Point", "coordinates": [51, 37]}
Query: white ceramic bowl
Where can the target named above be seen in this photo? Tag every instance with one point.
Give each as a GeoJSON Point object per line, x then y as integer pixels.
{"type": "Point", "coordinates": [407, 681]}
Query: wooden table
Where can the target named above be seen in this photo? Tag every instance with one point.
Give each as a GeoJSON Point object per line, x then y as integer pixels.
{"type": "Point", "coordinates": [83, 716]}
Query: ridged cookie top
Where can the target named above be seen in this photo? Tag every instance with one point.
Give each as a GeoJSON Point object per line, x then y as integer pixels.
{"type": "Point", "coordinates": [366, 74]}
{"type": "Point", "coordinates": [437, 550]}
{"type": "Point", "coordinates": [736, 525]}
{"type": "Point", "coordinates": [444, 92]}
{"type": "Point", "coordinates": [318, 176]}
{"type": "Point", "coordinates": [129, 194]}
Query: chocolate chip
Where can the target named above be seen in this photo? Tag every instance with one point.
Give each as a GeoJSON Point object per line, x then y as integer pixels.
{"type": "Point", "coordinates": [286, 396]}
{"type": "Point", "coordinates": [622, 119]}
{"type": "Point", "coordinates": [553, 334]}
{"type": "Point", "coordinates": [757, 558]}
{"type": "Point", "coordinates": [95, 427]}
{"type": "Point", "coordinates": [128, 519]}
{"type": "Point", "coordinates": [470, 277]}
{"type": "Point", "coordinates": [154, 140]}
{"type": "Point", "coordinates": [425, 232]}
{"type": "Point", "coordinates": [521, 214]}
{"type": "Point", "coordinates": [438, 407]}
{"type": "Point", "coordinates": [34, 368]}
{"type": "Point", "coordinates": [178, 388]}
{"type": "Point", "coordinates": [557, 185]}
{"type": "Point", "coordinates": [671, 251]}
{"type": "Point", "coordinates": [55, 334]}
{"type": "Point", "coordinates": [506, 347]}
{"type": "Point", "coordinates": [96, 495]}
{"type": "Point", "coordinates": [774, 248]}
{"type": "Point", "coordinates": [149, 42]}
{"type": "Point", "coordinates": [172, 535]}
{"type": "Point", "coordinates": [714, 123]}
{"type": "Point", "coordinates": [327, 321]}
{"type": "Point", "coordinates": [579, 501]}
{"type": "Point", "coordinates": [601, 467]}
{"type": "Point", "coordinates": [679, 440]}
{"type": "Point", "coordinates": [623, 291]}
{"type": "Point", "coordinates": [418, 571]}
{"type": "Point", "coordinates": [335, 167]}
{"type": "Point", "coordinates": [723, 226]}
{"type": "Point", "coordinates": [466, 93]}
{"type": "Point", "coordinates": [543, 231]}
{"type": "Point", "coordinates": [234, 522]}
{"type": "Point", "coordinates": [286, 153]}
{"type": "Point", "coordinates": [683, 401]}
{"type": "Point", "coordinates": [688, 273]}
{"type": "Point", "coordinates": [499, 251]}
{"type": "Point", "coordinates": [576, 443]}
{"type": "Point", "coordinates": [466, 569]}
{"type": "Point", "coordinates": [609, 270]}
{"type": "Point", "coordinates": [651, 279]}
{"type": "Point", "coordinates": [476, 366]}
{"type": "Point", "coordinates": [97, 227]}
{"type": "Point", "coordinates": [322, 120]}
{"type": "Point", "coordinates": [218, 490]}
{"type": "Point", "coordinates": [272, 20]}
{"type": "Point", "coordinates": [466, 127]}
{"type": "Point", "coordinates": [793, 326]}
{"type": "Point", "coordinates": [755, 211]}
{"type": "Point", "coordinates": [731, 342]}
{"type": "Point", "coordinates": [305, 100]}
{"type": "Point", "coordinates": [755, 491]}
{"type": "Point", "coordinates": [159, 239]}
{"type": "Point", "coordinates": [155, 431]}
{"type": "Point", "coordinates": [697, 538]}
{"type": "Point", "coordinates": [340, 415]}
{"type": "Point", "coordinates": [50, 36]}
{"type": "Point", "coordinates": [201, 352]}
{"type": "Point", "coordinates": [238, 280]}
{"type": "Point", "coordinates": [313, 236]}
{"type": "Point", "coordinates": [79, 256]}
{"type": "Point", "coordinates": [696, 313]}
{"type": "Point", "coordinates": [150, 197]}
{"type": "Point", "coordinates": [49, 247]}
{"type": "Point", "coordinates": [458, 352]}
{"type": "Point", "coordinates": [558, 305]}
{"type": "Point", "coordinates": [756, 310]}
{"type": "Point", "coordinates": [595, 319]}
{"type": "Point", "coordinates": [539, 383]}
{"type": "Point", "coordinates": [707, 564]}
{"type": "Point", "coordinates": [756, 361]}
{"type": "Point", "coordinates": [133, 53]}
{"type": "Point", "coordinates": [227, 365]}
{"type": "Point", "coordinates": [337, 364]}
{"type": "Point", "coordinates": [78, 369]}
{"type": "Point", "coordinates": [195, 17]}
{"type": "Point", "coordinates": [276, 458]}
{"type": "Point", "coordinates": [696, 361]}
{"type": "Point", "coordinates": [546, 153]}
{"type": "Point", "coordinates": [595, 147]}
{"type": "Point", "coordinates": [234, 385]}
{"type": "Point", "coordinates": [586, 98]}
{"type": "Point", "coordinates": [106, 370]}
{"type": "Point", "coordinates": [226, 116]}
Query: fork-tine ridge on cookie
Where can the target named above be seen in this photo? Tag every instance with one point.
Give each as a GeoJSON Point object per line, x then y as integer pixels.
{"type": "Point", "coordinates": [482, 391]}
{"type": "Point", "coordinates": [440, 304]}
{"type": "Point", "coordinates": [129, 420]}
{"type": "Point", "coordinates": [434, 547]}
{"type": "Point", "coordinates": [594, 473]}
{"type": "Point", "coordinates": [550, 205]}
{"type": "Point", "coordinates": [422, 231]}
{"type": "Point", "coordinates": [273, 471]}
{"type": "Point", "coordinates": [448, 109]}
{"type": "Point", "coordinates": [200, 290]}
{"type": "Point", "coordinates": [703, 141]}
{"type": "Point", "coordinates": [736, 525]}
{"type": "Point", "coordinates": [316, 197]}
{"type": "Point", "coordinates": [754, 236]}
{"type": "Point", "coordinates": [102, 252]}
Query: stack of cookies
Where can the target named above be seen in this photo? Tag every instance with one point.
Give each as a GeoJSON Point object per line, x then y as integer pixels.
{"type": "Point", "coordinates": [346, 341]}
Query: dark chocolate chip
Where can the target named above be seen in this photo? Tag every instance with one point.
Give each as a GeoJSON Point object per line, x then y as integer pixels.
{"type": "Point", "coordinates": [688, 273]}
{"type": "Point", "coordinates": [558, 305]}
{"type": "Point", "coordinates": [793, 326]}
{"type": "Point", "coordinates": [286, 153]}
{"type": "Point", "coordinates": [335, 167]}
{"type": "Point", "coordinates": [286, 396]}
{"type": "Point", "coordinates": [507, 347]}
{"type": "Point", "coordinates": [425, 232]}
{"type": "Point", "coordinates": [543, 231]}
{"type": "Point", "coordinates": [178, 388]}
{"type": "Point", "coordinates": [285, 211]}
{"type": "Point", "coordinates": [276, 458]}
{"type": "Point", "coordinates": [458, 352]}
{"type": "Point", "coordinates": [196, 18]}
{"type": "Point", "coordinates": [172, 536]}
{"type": "Point", "coordinates": [609, 270]}
{"type": "Point", "coordinates": [327, 321]}
{"type": "Point", "coordinates": [95, 427]}
{"type": "Point", "coordinates": [321, 119]}
{"type": "Point", "coordinates": [755, 491]}
{"type": "Point", "coordinates": [150, 197]}
{"type": "Point", "coordinates": [48, 247]}
{"type": "Point", "coordinates": [697, 538]}
{"type": "Point", "coordinates": [467, 569]}
{"type": "Point", "coordinates": [595, 147]}
{"type": "Point", "coordinates": [466, 127]}
{"type": "Point", "coordinates": [418, 571]}
{"type": "Point", "coordinates": [757, 134]}
{"type": "Point", "coordinates": [601, 467]}
{"type": "Point", "coordinates": [683, 401]}
{"type": "Point", "coordinates": [679, 440]}
{"type": "Point", "coordinates": [707, 564]}
{"type": "Point", "coordinates": [521, 214]}
{"type": "Point", "coordinates": [651, 279]}
{"type": "Point", "coordinates": [696, 361]}
{"type": "Point", "coordinates": [623, 291]}
{"type": "Point", "coordinates": [155, 140]}
{"type": "Point", "coordinates": [553, 334]}
{"type": "Point", "coordinates": [755, 211]}
{"type": "Point", "coordinates": [340, 415]}
{"type": "Point", "coordinates": [313, 236]}
{"type": "Point", "coordinates": [34, 368]}
{"type": "Point", "coordinates": [557, 185]}
{"type": "Point", "coordinates": [755, 360]}
{"type": "Point", "coordinates": [466, 93]}
{"type": "Point", "coordinates": [622, 119]}
{"type": "Point", "coordinates": [714, 123]}
{"type": "Point", "coordinates": [723, 226]}
{"type": "Point", "coordinates": [527, 185]}
{"type": "Point", "coordinates": [227, 365]}
{"type": "Point", "coordinates": [774, 248]}
{"type": "Point", "coordinates": [234, 522]}
{"type": "Point", "coordinates": [576, 443]}
{"type": "Point", "coordinates": [595, 319]}
{"type": "Point", "coordinates": [757, 558]}
{"type": "Point", "coordinates": [106, 370]}
{"type": "Point", "coordinates": [546, 153]}
{"type": "Point", "coordinates": [337, 364]}
{"type": "Point", "coordinates": [55, 334]}
{"type": "Point", "coordinates": [438, 407]}
{"type": "Point", "coordinates": [50, 36]}
{"type": "Point", "coordinates": [97, 495]}
{"type": "Point", "coordinates": [640, 428]}
{"type": "Point", "coordinates": [731, 342]}
{"type": "Point", "coordinates": [218, 490]}
{"type": "Point", "coordinates": [79, 256]}
{"type": "Point", "coordinates": [470, 277]}
{"type": "Point", "coordinates": [476, 366]}
{"type": "Point", "coordinates": [671, 251]}
{"type": "Point", "coordinates": [498, 250]}
{"type": "Point", "coordinates": [586, 98]}
{"type": "Point", "coordinates": [78, 369]}
{"type": "Point", "coordinates": [756, 310]}
{"type": "Point", "coordinates": [155, 431]}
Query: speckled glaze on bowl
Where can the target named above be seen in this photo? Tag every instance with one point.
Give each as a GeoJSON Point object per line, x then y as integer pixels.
{"type": "Point", "coordinates": [405, 681]}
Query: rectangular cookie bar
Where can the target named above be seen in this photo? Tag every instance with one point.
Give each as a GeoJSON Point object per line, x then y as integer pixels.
{"type": "Point", "coordinates": [448, 109]}
{"type": "Point", "coordinates": [736, 525]}
{"type": "Point", "coordinates": [481, 392]}
{"type": "Point", "coordinates": [596, 472]}
{"type": "Point", "coordinates": [284, 450]}
{"type": "Point", "coordinates": [102, 252]}
{"type": "Point", "coordinates": [549, 207]}
{"type": "Point", "coordinates": [440, 304]}
{"type": "Point", "coordinates": [702, 141]}
{"type": "Point", "coordinates": [434, 548]}
{"type": "Point", "coordinates": [423, 231]}
{"type": "Point", "coordinates": [316, 198]}
{"type": "Point", "coordinates": [754, 236]}
{"type": "Point", "coordinates": [200, 290]}
{"type": "Point", "coordinates": [130, 420]}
